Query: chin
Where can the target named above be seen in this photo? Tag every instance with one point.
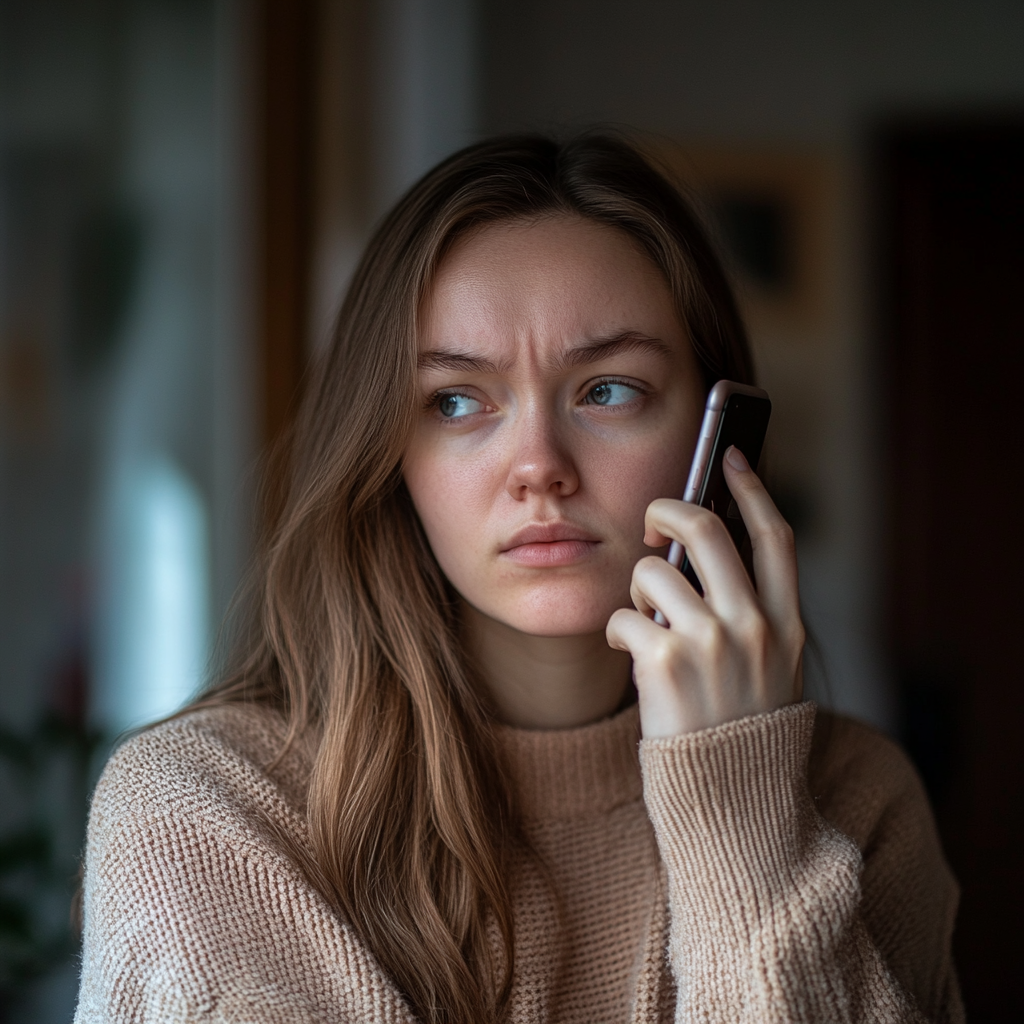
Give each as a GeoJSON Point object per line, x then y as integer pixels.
{"type": "Point", "coordinates": [559, 628]}
{"type": "Point", "coordinates": [560, 611]}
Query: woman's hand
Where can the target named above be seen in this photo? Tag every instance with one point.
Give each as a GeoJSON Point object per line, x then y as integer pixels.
{"type": "Point", "coordinates": [737, 651]}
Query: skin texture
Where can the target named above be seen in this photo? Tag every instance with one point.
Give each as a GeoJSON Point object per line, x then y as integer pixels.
{"type": "Point", "coordinates": [560, 395]}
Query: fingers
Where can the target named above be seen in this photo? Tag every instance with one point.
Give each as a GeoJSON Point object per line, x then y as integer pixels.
{"type": "Point", "coordinates": [734, 653]}
{"type": "Point", "coordinates": [709, 547]}
{"type": "Point", "coordinates": [659, 671]}
{"type": "Point", "coordinates": [657, 586]}
{"type": "Point", "coordinates": [683, 681]}
{"type": "Point", "coordinates": [631, 631]}
{"type": "Point", "coordinates": [771, 538]}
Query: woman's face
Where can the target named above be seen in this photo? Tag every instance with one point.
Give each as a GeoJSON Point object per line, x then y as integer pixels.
{"type": "Point", "coordinates": [559, 395]}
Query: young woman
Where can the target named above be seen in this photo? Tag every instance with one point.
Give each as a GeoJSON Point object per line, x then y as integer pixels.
{"type": "Point", "coordinates": [459, 773]}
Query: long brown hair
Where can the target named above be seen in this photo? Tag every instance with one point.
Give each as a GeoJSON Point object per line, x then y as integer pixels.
{"type": "Point", "coordinates": [354, 629]}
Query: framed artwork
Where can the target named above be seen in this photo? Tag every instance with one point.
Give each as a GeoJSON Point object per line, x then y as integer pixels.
{"type": "Point", "coordinates": [772, 214]}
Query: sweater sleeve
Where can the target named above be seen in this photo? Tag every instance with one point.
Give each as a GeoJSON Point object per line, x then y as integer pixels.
{"type": "Point", "coordinates": [772, 906]}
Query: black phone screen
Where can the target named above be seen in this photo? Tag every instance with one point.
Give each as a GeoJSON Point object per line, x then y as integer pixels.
{"type": "Point", "coordinates": [743, 423]}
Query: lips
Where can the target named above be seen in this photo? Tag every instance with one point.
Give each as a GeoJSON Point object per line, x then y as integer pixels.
{"type": "Point", "coordinates": [548, 545]}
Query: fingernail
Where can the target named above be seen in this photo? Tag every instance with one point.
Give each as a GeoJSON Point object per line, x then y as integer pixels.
{"type": "Point", "coordinates": [736, 459]}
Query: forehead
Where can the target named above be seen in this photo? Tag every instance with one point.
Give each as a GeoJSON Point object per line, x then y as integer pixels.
{"type": "Point", "coordinates": [547, 281]}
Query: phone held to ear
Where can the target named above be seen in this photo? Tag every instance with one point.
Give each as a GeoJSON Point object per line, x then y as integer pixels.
{"type": "Point", "coordinates": [735, 414]}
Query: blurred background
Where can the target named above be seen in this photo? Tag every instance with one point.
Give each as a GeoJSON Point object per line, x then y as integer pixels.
{"type": "Point", "coordinates": [185, 186]}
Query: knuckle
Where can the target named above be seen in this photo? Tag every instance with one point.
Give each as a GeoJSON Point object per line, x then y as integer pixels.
{"type": "Point", "coordinates": [666, 655]}
{"type": "Point", "coordinates": [663, 505]}
{"type": "Point", "coordinates": [619, 619]}
{"type": "Point", "coordinates": [706, 526]}
{"type": "Point", "coordinates": [780, 533]}
{"type": "Point", "coordinates": [756, 632]}
{"type": "Point", "coordinates": [798, 637]}
{"type": "Point", "coordinates": [712, 638]}
{"type": "Point", "coordinates": [662, 509]}
{"type": "Point", "coordinates": [616, 617]}
{"type": "Point", "coordinates": [644, 572]}
{"type": "Point", "coordinates": [648, 565]}
{"type": "Point", "coordinates": [613, 632]}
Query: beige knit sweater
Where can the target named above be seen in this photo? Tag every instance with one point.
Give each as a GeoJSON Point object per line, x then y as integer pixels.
{"type": "Point", "coordinates": [766, 870]}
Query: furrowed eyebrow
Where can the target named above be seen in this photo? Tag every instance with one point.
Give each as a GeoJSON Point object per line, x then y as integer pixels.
{"type": "Point", "coordinates": [459, 361]}
{"type": "Point", "coordinates": [591, 352]}
{"type": "Point", "coordinates": [602, 348]}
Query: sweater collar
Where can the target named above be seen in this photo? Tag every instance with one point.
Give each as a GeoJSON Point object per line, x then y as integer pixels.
{"type": "Point", "coordinates": [571, 773]}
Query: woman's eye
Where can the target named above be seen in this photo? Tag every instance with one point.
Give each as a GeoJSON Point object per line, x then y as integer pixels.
{"type": "Point", "coordinates": [453, 406]}
{"type": "Point", "coordinates": [611, 393]}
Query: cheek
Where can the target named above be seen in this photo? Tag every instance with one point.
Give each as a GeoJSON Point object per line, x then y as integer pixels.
{"type": "Point", "coordinates": [450, 498]}
{"type": "Point", "coordinates": [626, 482]}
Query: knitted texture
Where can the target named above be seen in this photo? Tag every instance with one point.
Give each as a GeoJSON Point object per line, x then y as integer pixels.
{"type": "Point", "coordinates": [778, 868]}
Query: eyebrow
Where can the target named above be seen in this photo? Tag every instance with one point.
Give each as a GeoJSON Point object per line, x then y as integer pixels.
{"type": "Point", "coordinates": [580, 355]}
{"type": "Point", "coordinates": [438, 359]}
{"type": "Point", "coordinates": [602, 348]}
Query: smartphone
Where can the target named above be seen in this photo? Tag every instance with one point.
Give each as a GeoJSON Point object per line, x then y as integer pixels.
{"type": "Point", "coordinates": [735, 414]}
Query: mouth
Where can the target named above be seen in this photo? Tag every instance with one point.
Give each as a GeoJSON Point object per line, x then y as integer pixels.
{"type": "Point", "coordinates": [549, 545]}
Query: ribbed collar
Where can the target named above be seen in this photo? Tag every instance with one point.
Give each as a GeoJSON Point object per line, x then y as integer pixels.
{"type": "Point", "coordinates": [571, 773]}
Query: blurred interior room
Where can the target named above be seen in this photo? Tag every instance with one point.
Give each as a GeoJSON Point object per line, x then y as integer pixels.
{"type": "Point", "coordinates": [185, 186]}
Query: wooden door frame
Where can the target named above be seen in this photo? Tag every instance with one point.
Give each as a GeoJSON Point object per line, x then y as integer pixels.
{"type": "Point", "coordinates": [286, 101]}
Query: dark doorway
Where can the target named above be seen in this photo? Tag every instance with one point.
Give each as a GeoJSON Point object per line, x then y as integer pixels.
{"type": "Point", "coordinates": [953, 253]}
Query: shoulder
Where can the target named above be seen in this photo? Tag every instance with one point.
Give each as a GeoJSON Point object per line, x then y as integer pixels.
{"type": "Point", "coordinates": [210, 772]}
{"type": "Point", "coordinates": [244, 731]}
{"type": "Point", "coordinates": [197, 905]}
{"type": "Point", "coordinates": [861, 780]}
{"type": "Point", "coordinates": [864, 785]}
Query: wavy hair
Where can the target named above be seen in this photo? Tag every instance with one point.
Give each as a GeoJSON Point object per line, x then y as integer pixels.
{"type": "Point", "coordinates": [353, 631]}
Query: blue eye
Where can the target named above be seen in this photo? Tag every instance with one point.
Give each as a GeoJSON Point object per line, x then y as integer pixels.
{"type": "Point", "coordinates": [454, 407]}
{"type": "Point", "coordinates": [610, 393]}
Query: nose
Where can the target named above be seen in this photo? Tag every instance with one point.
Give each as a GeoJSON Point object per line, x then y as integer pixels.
{"type": "Point", "coordinates": [541, 461]}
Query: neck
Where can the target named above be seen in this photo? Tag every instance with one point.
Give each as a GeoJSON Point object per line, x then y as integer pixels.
{"type": "Point", "coordinates": [546, 682]}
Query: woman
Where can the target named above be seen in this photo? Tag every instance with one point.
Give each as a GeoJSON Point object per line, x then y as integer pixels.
{"type": "Point", "coordinates": [419, 795]}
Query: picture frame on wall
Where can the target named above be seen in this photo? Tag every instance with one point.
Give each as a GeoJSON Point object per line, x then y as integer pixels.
{"type": "Point", "coordinates": [772, 214]}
